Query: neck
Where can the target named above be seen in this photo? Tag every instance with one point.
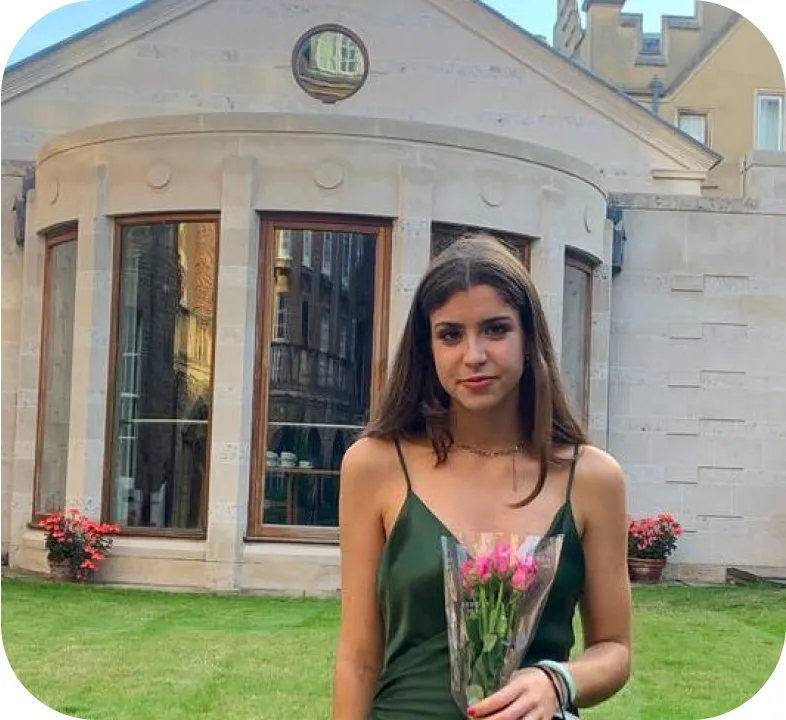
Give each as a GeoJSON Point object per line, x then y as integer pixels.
{"type": "Point", "coordinates": [497, 429]}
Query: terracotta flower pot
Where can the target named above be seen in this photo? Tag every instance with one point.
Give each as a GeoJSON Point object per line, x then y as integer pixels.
{"type": "Point", "coordinates": [60, 570]}
{"type": "Point", "coordinates": [644, 570]}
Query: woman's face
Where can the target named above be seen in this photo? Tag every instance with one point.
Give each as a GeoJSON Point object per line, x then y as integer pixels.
{"type": "Point", "coordinates": [478, 347]}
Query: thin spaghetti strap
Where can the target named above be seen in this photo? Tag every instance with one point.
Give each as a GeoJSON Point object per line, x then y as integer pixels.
{"type": "Point", "coordinates": [572, 472]}
{"type": "Point", "coordinates": [403, 465]}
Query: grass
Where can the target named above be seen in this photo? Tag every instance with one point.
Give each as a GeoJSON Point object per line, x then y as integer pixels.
{"type": "Point", "coordinates": [108, 654]}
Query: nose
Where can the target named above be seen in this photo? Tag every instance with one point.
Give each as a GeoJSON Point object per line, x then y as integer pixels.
{"type": "Point", "coordinates": [475, 351]}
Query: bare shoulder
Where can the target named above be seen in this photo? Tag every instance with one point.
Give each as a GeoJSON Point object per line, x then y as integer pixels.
{"type": "Point", "coordinates": [368, 466]}
{"type": "Point", "coordinates": [369, 454]}
{"type": "Point", "coordinates": [599, 487]}
{"type": "Point", "coordinates": [599, 470]}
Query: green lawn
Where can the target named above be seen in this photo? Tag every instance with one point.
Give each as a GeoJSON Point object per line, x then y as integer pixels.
{"type": "Point", "coordinates": [101, 653]}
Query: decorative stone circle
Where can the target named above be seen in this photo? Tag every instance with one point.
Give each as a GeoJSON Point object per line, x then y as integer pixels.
{"type": "Point", "coordinates": [159, 175]}
{"type": "Point", "coordinates": [329, 175]}
{"type": "Point", "coordinates": [493, 191]}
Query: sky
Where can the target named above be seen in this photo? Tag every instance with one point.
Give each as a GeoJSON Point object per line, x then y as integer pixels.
{"type": "Point", "coordinates": [537, 16]}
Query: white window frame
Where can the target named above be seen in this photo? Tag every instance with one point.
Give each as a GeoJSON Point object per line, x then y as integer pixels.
{"type": "Point", "coordinates": [682, 114]}
{"type": "Point", "coordinates": [760, 98]}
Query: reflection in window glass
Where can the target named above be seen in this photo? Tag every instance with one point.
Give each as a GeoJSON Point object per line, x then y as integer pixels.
{"type": "Point", "coordinates": [327, 254]}
{"type": "Point", "coordinates": [575, 337]}
{"type": "Point", "coordinates": [284, 246]}
{"type": "Point", "coordinates": [306, 252]}
{"type": "Point", "coordinates": [281, 328]}
{"type": "Point", "coordinates": [318, 398]}
{"type": "Point", "coordinates": [163, 374]}
{"type": "Point", "coordinates": [56, 391]}
{"type": "Point", "coordinates": [329, 64]}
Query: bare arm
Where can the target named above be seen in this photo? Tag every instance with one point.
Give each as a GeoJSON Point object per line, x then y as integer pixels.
{"type": "Point", "coordinates": [360, 646]}
{"type": "Point", "coordinates": [604, 666]}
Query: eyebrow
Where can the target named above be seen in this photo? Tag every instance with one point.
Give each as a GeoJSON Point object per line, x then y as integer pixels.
{"type": "Point", "coordinates": [487, 321]}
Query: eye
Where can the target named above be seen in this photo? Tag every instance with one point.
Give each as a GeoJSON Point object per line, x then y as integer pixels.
{"type": "Point", "coordinates": [449, 336]}
{"type": "Point", "coordinates": [498, 330]}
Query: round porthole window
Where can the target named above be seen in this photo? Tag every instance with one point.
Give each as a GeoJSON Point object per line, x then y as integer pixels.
{"type": "Point", "coordinates": [330, 63]}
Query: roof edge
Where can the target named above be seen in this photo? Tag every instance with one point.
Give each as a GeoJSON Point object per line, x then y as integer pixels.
{"type": "Point", "coordinates": [91, 43]}
{"type": "Point", "coordinates": [699, 61]}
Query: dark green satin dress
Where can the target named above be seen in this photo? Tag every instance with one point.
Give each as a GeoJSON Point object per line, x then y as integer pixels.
{"type": "Point", "coordinates": [415, 680]}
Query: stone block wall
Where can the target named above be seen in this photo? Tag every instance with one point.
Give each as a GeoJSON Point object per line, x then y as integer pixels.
{"type": "Point", "coordinates": [697, 400]}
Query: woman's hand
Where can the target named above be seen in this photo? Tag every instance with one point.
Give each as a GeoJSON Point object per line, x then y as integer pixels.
{"type": "Point", "coordinates": [528, 696]}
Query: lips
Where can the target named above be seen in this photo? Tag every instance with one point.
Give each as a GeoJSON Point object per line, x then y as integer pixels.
{"type": "Point", "coordinates": [479, 382]}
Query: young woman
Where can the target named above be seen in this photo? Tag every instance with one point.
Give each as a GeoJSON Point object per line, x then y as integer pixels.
{"type": "Point", "coordinates": [474, 433]}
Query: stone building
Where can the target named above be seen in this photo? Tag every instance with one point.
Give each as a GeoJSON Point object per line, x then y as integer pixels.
{"type": "Point", "coordinates": [714, 75]}
{"type": "Point", "coordinates": [222, 210]}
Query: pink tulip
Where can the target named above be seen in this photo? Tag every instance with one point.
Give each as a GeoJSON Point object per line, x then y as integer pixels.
{"type": "Point", "coordinates": [483, 567]}
{"type": "Point", "coordinates": [526, 568]}
{"type": "Point", "coordinates": [467, 571]}
{"type": "Point", "coordinates": [501, 558]}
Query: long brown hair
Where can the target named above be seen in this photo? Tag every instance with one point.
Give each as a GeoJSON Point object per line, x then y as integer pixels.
{"type": "Point", "coordinates": [414, 403]}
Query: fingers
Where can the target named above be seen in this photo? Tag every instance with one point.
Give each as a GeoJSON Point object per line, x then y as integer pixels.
{"type": "Point", "coordinates": [496, 702]}
{"type": "Point", "coordinates": [523, 698]}
{"type": "Point", "coordinates": [525, 707]}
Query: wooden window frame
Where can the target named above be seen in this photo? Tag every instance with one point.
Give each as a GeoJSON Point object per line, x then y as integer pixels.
{"type": "Point", "coordinates": [52, 240]}
{"type": "Point", "coordinates": [522, 244]}
{"type": "Point", "coordinates": [256, 530]}
{"type": "Point", "coordinates": [106, 490]}
{"type": "Point", "coordinates": [579, 263]}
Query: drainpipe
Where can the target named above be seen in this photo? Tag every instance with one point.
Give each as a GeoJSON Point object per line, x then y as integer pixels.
{"type": "Point", "coordinates": [656, 88]}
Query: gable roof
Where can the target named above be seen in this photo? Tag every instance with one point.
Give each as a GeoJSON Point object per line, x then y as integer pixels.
{"type": "Point", "coordinates": [696, 63]}
{"type": "Point", "coordinates": [89, 44]}
{"type": "Point", "coordinates": [565, 73]}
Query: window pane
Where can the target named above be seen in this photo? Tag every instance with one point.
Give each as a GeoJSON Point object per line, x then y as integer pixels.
{"type": "Point", "coordinates": [163, 374]}
{"type": "Point", "coordinates": [770, 123]}
{"type": "Point", "coordinates": [306, 250]}
{"type": "Point", "coordinates": [319, 397]}
{"type": "Point", "coordinates": [56, 409]}
{"type": "Point", "coordinates": [694, 125]}
{"type": "Point", "coordinates": [575, 338]}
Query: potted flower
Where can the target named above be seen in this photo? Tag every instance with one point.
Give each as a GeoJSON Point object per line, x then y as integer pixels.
{"type": "Point", "coordinates": [75, 543]}
{"type": "Point", "coordinates": [650, 541]}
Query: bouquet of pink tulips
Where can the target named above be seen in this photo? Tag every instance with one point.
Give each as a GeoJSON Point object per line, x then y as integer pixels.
{"type": "Point", "coordinates": [495, 589]}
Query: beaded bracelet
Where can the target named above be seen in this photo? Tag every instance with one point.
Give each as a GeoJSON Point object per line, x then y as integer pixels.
{"type": "Point", "coordinates": [567, 677]}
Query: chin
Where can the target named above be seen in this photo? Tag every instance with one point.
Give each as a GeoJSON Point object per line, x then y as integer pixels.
{"type": "Point", "coordinates": [477, 403]}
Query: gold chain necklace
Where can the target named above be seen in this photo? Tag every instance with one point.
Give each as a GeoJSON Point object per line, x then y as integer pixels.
{"type": "Point", "coordinates": [518, 447]}
{"type": "Point", "coordinates": [504, 452]}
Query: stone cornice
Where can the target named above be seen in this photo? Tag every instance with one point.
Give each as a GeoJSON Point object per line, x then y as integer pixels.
{"type": "Point", "coordinates": [92, 43]}
{"type": "Point", "coordinates": [238, 124]}
{"type": "Point", "coordinates": [697, 203]}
